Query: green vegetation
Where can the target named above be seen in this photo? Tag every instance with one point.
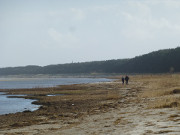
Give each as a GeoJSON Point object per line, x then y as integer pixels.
{"type": "Point", "coordinates": [161, 61]}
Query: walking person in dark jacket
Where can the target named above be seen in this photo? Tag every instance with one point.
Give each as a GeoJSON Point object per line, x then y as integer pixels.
{"type": "Point", "coordinates": [126, 79]}
{"type": "Point", "coordinates": [122, 80]}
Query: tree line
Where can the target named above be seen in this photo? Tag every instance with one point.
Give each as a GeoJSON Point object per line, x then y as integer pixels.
{"type": "Point", "coordinates": [161, 61]}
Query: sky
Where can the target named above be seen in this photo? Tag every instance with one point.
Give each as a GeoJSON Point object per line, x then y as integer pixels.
{"type": "Point", "coordinates": [44, 32]}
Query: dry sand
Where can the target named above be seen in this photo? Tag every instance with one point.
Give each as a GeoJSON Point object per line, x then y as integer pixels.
{"type": "Point", "coordinates": [125, 110]}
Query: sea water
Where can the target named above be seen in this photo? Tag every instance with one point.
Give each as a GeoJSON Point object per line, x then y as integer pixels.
{"type": "Point", "coordinates": [19, 83]}
{"type": "Point", "coordinates": [13, 105]}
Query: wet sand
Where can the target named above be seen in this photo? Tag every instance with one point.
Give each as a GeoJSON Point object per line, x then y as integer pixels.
{"type": "Point", "coordinates": [146, 106]}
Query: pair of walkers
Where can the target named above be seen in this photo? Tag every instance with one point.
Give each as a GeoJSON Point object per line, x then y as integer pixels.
{"type": "Point", "coordinates": [125, 79]}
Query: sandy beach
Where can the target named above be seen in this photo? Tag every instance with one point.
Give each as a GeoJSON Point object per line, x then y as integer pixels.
{"type": "Point", "coordinates": [149, 105]}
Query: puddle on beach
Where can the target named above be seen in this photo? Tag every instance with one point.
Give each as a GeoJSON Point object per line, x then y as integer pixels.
{"type": "Point", "coordinates": [13, 105]}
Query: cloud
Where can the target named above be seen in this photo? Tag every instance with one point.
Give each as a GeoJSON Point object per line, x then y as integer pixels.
{"type": "Point", "coordinates": [62, 39]}
{"type": "Point", "coordinates": [73, 14]}
{"type": "Point", "coordinates": [137, 33]}
{"type": "Point", "coordinates": [145, 24]}
{"type": "Point", "coordinates": [172, 3]}
{"type": "Point", "coordinates": [55, 35]}
{"type": "Point", "coordinates": [78, 14]}
{"type": "Point", "coordinates": [103, 8]}
{"type": "Point", "coordinates": [150, 21]}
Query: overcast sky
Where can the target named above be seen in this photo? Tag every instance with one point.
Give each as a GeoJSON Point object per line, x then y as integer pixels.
{"type": "Point", "coordinates": [43, 32]}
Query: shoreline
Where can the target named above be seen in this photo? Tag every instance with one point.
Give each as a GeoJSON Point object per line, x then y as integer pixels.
{"type": "Point", "coordinates": [102, 108]}
{"type": "Point", "coordinates": [9, 94]}
{"type": "Point", "coordinates": [39, 96]}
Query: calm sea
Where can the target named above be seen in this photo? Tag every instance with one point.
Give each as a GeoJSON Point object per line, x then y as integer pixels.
{"type": "Point", "coordinates": [13, 83]}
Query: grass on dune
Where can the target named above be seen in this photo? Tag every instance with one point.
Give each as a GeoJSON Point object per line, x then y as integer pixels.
{"type": "Point", "coordinates": [164, 90]}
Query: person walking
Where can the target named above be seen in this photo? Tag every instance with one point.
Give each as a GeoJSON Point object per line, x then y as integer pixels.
{"type": "Point", "coordinates": [126, 79]}
{"type": "Point", "coordinates": [122, 80]}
